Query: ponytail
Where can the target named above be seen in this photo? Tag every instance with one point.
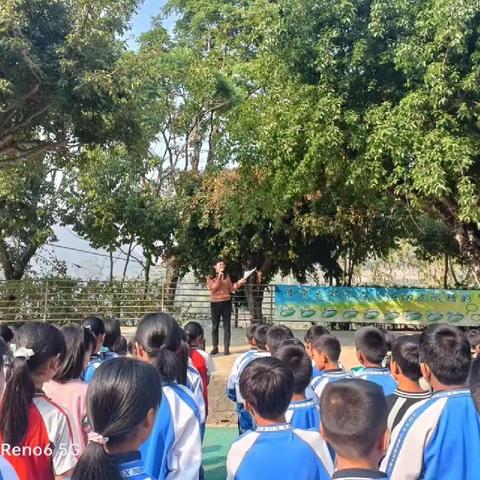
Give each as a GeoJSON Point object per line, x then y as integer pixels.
{"type": "Point", "coordinates": [119, 398]}
{"type": "Point", "coordinates": [46, 342]}
{"type": "Point", "coordinates": [162, 338]}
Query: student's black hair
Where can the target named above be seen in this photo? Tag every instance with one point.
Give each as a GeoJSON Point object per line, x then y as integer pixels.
{"type": "Point", "coordinates": [267, 385]}
{"type": "Point", "coordinates": [112, 332]}
{"type": "Point", "coordinates": [315, 331]}
{"type": "Point", "coordinates": [6, 333]}
{"type": "Point", "coordinates": [131, 346]}
{"type": "Point", "coordinates": [276, 335]}
{"type": "Point", "coordinates": [329, 345]}
{"type": "Point", "coordinates": [446, 351]}
{"type": "Point", "coordinates": [77, 341]}
{"type": "Point", "coordinates": [475, 383]}
{"type": "Point", "coordinates": [47, 342]}
{"type": "Point", "coordinates": [90, 340]}
{"type": "Point", "coordinates": [161, 338]}
{"type": "Point", "coordinates": [473, 337]}
{"type": "Point", "coordinates": [293, 341]}
{"type": "Point", "coordinates": [299, 363]}
{"type": "Point", "coordinates": [95, 324]}
{"type": "Point", "coordinates": [389, 338]}
{"type": "Point", "coordinates": [3, 351]}
{"type": "Point", "coordinates": [371, 342]}
{"type": "Point", "coordinates": [261, 337]}
{"type": "Point", "coordinates": [405, 352]}
{"type": "Point", "coordinates": [119, 398]}
{"type": "Point", "coordinates": [193, 330]}
{"type": "Point", "coordinates": [120, 347]}
{"type": "Point", "coordinates": [354, 415]}
{"type": "Point", "coordinates": [251, 331]}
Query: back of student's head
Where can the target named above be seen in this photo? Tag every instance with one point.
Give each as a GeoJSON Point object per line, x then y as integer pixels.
{"type": "Point", "coordinates": [473, 337]}
{"type": "Point", "coordinates": [266, 384]}
{"type": "Point", "coordinates": [37, 344]}
{"type": "Point", "coordinates": [276, 335]}
{"type": "Point", "coordinates": [95, 324]}
{"type": "Point", "coordinates": [315, 331]}
{"type": "Point", "coordinates": [78, 345]}
{"type": "Point", "coordinates": [299, 363]}
{"type": "Point", "coordinates": [123, 392]}
{"type": "Point", "coordinates": [261, 337]}
{"type": "Point", "coordinates": [112, 332]}
{"type": "Point", "coordinates": [3, 352]}
{"type": "Point", "coordinates": [405, 353]}
{"type": "Point", "coordinates": [354, 417]}
{"type": "Point", "coordinates": [160, 337]}
{"type": "Point", "coordinates": [251, 332]}
{"type": "Point", "coordinates": [389, 338]}
{"type": "Point", "coordinates": [328, 345]}
{"type": "Point", "coordinates": [475, 383]}
{"type": "Point", "coordinates": [370, 341]}
{"type": "Point", "coordinates": [194, 332]}
{"type": "Point", "coordinates": [446, 351]}
{"type": "Point", "coordinates": [6, 333]}
{"type": "Point", "coordinates": [120, 347]}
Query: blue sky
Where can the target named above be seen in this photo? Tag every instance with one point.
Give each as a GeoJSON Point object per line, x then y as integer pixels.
{"type": "Point", "coordinates": [142, 20]}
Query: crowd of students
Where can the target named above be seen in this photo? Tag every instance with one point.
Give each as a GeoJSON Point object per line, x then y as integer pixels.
{"type": "Point", "coordinates": [75, 406]}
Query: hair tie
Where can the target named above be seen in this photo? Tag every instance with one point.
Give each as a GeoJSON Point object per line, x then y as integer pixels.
{"type": "Point", "coordinates": [23, 352]}
{"type": "Point", "coordinates": [94, 437]}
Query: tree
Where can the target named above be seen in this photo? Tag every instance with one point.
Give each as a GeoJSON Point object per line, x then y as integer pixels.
{"type": "Point", "coordinates": [30, 203]}
{"type": "Point", "coordinates": [59, 84]}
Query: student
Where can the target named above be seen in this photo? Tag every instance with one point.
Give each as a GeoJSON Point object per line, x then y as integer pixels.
{"type": "Point", "coordinates": [276, 335]}
{"type": "Point", "coordinates": [201, 360]}
{"type": "Point", "coordinates": [439, 438]}
{"type": "Point", "coordinates": [475, 383]}
{"type": "Point", "coordinates": [314, 332]}
{"type": "Point", "coordinates": [354, 423]}
{"type": "Point", "coordinates": [112, 333]}
{"type": "Point", "coordinates": [28, 419]}
{"type": "Point", "coordinates": [326, 351]}
{"type": "Point", "coordinates": [275, 450]}
{"type": "Point", "coordinates": [389, 339]}
{"type": "Point", "coordinates": [474, 341]}
{"type": "Point", "coordinates": [96, 325]}
{"type": "Point", "coordinates": [120, 347]}
{"type": "Point", "coordinates": [123, 399]}
{"type": "Point", "coordinates": [67, 389]}
{"type": "Point", "coordinates": [245, 421]}
{"type": "Point", "coordinates": [302, 412]}
{"type": "Point", "coordinates": [6, 333]}
{"type": "Point", "coordinates": [173, 451]}
{"type": "Point", "coordinates": [371, 352]}
{"type": "Point", "coordinates": [405, 368]}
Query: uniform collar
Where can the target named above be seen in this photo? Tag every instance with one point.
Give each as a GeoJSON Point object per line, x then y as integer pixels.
{"type": "Point", "coordinates": [403, 394]}
{"type": "Point", "coordinates": [376, 370]}
{"type": "Point", "coordinates": [279, 427]}
{"type": "Point", "coordinates": [308, 402]}
{"type": "Point", "coordinates": [358, 474]}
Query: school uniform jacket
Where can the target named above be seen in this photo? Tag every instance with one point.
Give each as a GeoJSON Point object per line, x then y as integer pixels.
{"type": "Point", "coordinates": [359, 474]}
{"type": "Point", "coordinates": [95, 361]}
{"type": "Point", "coordinates": [399, 403]}
{"type": "Point", "coordinates": [318, 384]}
{"type": "Point", "coordinates": [130, 466]}
{"type": "Point", "coordinates": [6, 470]}
{"type": "Point", "coordinates": [303, 414]}
{"type": "Point", "coordinates": [195, 385]}
{"type": "Point", "coordinates": [47, 449]}
{"type": "Point", "coordinates": [174, 451]}
{"type": "Point", "coordinates": [438, 439]}
{"type": "Point", "coordinates": [279, 452]}
{"type": "Point", "coordinates": [381, 376]}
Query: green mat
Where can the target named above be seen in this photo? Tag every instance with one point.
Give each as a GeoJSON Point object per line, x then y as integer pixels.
{"type": "Point", "coordinates": [216, 444]}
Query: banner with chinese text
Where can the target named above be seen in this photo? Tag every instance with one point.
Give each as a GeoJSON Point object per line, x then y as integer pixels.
{"type": "Point", "coordinates": [372, 305]}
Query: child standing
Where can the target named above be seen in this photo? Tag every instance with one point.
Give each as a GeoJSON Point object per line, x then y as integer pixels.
{"type": "Point", "coordinates": [439, 438]}
{"type": "Point", "coordinates": [326, 351]}
{"type": "Point", "coordinates": [123, 399]}
{"type": "Point", "coordinates": [371, 352]}
{"type": "Point", "coordinates": [173, 450]}
{"type": "Point", "coordinates": [302, 412]}
{"type": "Point", "coordinates": [245, 421]}
{"type": "Point", "coordinates": [354, 423]}
{"type": "Point", "coordinates": [67, 389]}
{"type": "Point", "coordinates": [28, 419]}
{"type": "Point", "coordinates": [313, 333]}
{"type": "Point", "coordinates": [405, 368]}
{"type": "Point", "coordinates": [95, 324]}
{"type": "Point", "coordinates": [266, 385]}
{"type": "Point", "coordinates": [276, 335]}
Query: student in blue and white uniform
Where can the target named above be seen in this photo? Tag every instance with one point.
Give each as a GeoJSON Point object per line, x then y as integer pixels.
{"type": "Point", "coordinates": [439, 438]}
{"type": "Point", "coordinates": [245, 421]}
{"type": "Point", "coordinates": [276, 336]}
{"type": "Point", "coordinates": [371, 351]}
{"type": "Point", "coordinates": [275, 450]}
{"type": "Point", "coordinates": [326, 351]}
{"type": "Point", "coordinates": [302, 412]}
{"type": "Point", "coordinates": [354, 423]}
{"type": "Point", "coordinates": [123, 400]}
{"type": "Point", "coordinates": [195, 385]}
{"type": "Point", "coordinates": [100, 352]}
{"type": "Point", "coordinates": [312, 333]}
{"type": "Point", "coordinates": [173, 450]}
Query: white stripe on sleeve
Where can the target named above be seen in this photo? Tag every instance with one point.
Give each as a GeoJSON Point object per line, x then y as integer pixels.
{"type": "Point", "coordinates": [238, 451]}
{"type": "Point", "coordinates": [318, 445]}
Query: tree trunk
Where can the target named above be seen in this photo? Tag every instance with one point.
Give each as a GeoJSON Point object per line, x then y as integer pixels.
{"type": "Point", "coordinates": [127, 261]}
{"type": "Point", "coordinates": [14, 268]}
{"type": "Point", "coordinates": [172, 276]}
{"type": "Point", "coordinates": [445, 272]}
{"type": "Point", "coordinates": [111, 265]}
{"type": "Point", "coordinates": [255, 290]}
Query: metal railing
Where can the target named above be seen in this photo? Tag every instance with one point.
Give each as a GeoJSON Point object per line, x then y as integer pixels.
{"type": "Point", "coordinates": [63, 301]}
